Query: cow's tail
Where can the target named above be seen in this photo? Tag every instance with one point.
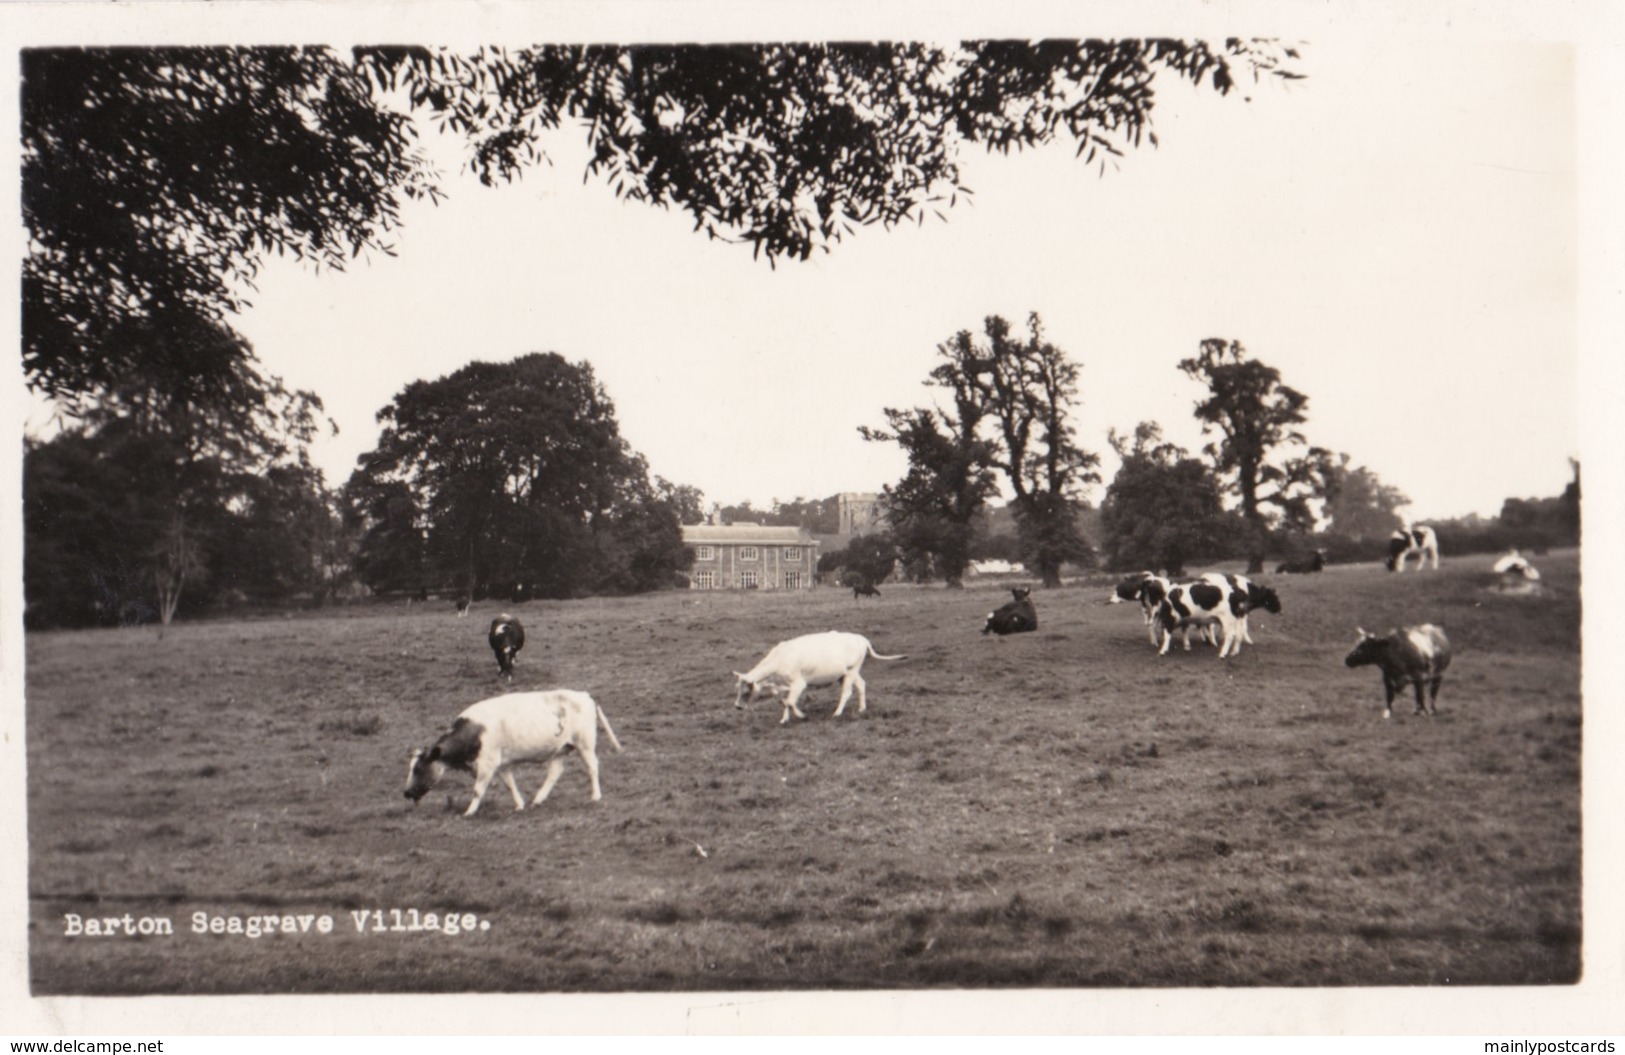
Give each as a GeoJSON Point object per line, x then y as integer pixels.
{"type": "Point", "coordinates": [877, 655]}
{"type": "Point", "coordinates": [603, 720]}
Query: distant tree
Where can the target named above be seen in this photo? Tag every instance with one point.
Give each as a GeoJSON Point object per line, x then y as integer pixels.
{"type": "Point", "coordinates": [1162, 509]}
{"type": "Point", "coordinates": [932, 510]}
{"type": "Point", "coordinates": [640, 542]}
{"type": "Point", "coordinates": [687, 501]}
{"type": "Point", "coordinates": [391, 554]}
{"type": "Point", "coordinates": [1359, 505]}
{"type": "Point", "coordinates": [867, 558]}
{"type": "Point", "coordinates": [1256, 417]}
{"type": "Point", "coordinates": [523, 481]}
{"type": "Point", "coordinates": [1027, 391]}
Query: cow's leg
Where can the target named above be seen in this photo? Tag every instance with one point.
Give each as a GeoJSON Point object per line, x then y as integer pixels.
{"type": "Point", "coordinates": [852, 681]}
{"type": "Point", "coordinates": [1433, 694]}
{"type": "Point", "coordinates": [847, 681]}
{"type": "Point", "coordinates": [518, 799]}
{"type": "Point", "coordinates": [555, 767]}
{"type": "Point", "coordinates": [589, 758]}
{"type": "Point", "coordinates": [1416, 683]}
{"type": "Point", "coordinates": [791, 699]}
{"type": "Point", "coordinates": [1167, 639]}
{"type": "Point", "coordinates": [485, 770]}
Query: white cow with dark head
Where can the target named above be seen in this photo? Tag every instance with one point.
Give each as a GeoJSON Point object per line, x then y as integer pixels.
{"type": "Point", "coordinates": [493, 734]}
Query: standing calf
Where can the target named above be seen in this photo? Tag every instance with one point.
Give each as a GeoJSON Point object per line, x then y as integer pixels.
{"type": "Point", "coordinates": [1417, 654]}
{"type": "Point", "coordinates": [507, 637]}
{"type": "Point", "coordinates": [519, 727]}
{"type": "Point", "coordinates": [812, 659]}
{"type": "Point", "coordinates": [1016, 617]}
{"type": "Point", "coordinates": [1422, 541]}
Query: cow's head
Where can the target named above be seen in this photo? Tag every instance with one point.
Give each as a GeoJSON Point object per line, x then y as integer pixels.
{"type": "Point", "coordinates": [1130, 588]}
{"type": "Point", "coordinates": [423, 772]}
{"type": "Point", "coordinates": [1263, 597]}
{"type": "Point", "coordinates": [1367, 650]}
{"type": "Point", "coordinates": [1021, 593]}
{"type": "Point", "coordinates": [748, 691]}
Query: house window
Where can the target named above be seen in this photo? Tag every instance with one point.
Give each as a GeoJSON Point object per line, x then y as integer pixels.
{"type": "Point", "coordinates": [705, 553]}
{"type": "Point", "coordinates": [749, 553]}
{"type": "Point", "coordinates": [705, 580]}
{"type": "Point", "coordinates": [792, 553]}
{"type": "Point", "coordinates": [747, 580]}
{"type": "Point", "coordinates": [792, 580]}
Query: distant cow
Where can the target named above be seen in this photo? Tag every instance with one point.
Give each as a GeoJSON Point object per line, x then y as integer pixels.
{"type": "Point", "coordinates": [1016, 617]}
{"type": "Point", "coordinates": [507, 637]}
{"type": "Point", "coordinates": [1420, 541]}
{"type": "Point", "coordinates": [1417, 654]}
{"type": "Point", "coordinates": [462, 605]}
{"type": "Point", "coordinates": [1515, 565]}
{"type": "Point", "coordinates": [812, 659]}
{"type": "Point", "coordinates": [520, 727]}
{"type": "Point", "coordinates": [1149, 589]}
{"type": "Point", "coordinates": [863, 588]}
{"type": "Point", "coordinates": [1303, 565]}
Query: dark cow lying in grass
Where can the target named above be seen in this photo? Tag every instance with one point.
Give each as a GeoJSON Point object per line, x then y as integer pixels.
{"type": "Point", "coordinates": [1304, 565]}
{"type": "Point", "coordinates": [863, 588]}
{"type": "Point", "coordinates": [507, 637]}
{"type": "Point", "coordinates": [1417, 654]}
{"type": "Point", "coordinates": [1016, 617]}
{"type": "Point", "coordinates": [520, 727]}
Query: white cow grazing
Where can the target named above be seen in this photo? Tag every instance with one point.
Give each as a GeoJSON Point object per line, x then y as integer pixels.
{"type": "Point", "coordinates": [1514, 563]}
{"type": "Point", "coordinates": [519, 727]}
{"type": "Point", "coordinates": [812, 659]}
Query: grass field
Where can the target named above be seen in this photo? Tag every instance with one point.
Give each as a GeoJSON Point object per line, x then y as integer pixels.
{"type": "Point", "coordinates": [1062, 808]}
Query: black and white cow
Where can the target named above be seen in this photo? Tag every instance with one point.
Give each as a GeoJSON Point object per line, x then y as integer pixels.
{"type": "Point", "coordinates": [462, 604]}
{"type": "Point", "coordinates": [493, 734]}
{"type": "Point", "coordinates": [1149, 589]}
{"type": "Point", "coordinates": [507, 637]}
{"type": "Point", "coordinates": [1316, 561]}
{"type": "Point", "coordinates": [1016, 617]}
{"type": "Point", "coordinates": [1245, 595]}
{"type": "Point", "coordinates": [1418, 540]}
{"type": "Point", "coordinates": [1217, 602]}
{"type": "Point", "coordinates": [1417, 654]}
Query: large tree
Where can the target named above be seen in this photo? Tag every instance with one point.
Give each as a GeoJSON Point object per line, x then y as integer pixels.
{"type": "Point", "coordinates": [933, 508]}
{"type": "Point", "coordinates": [156, 180]}
{"type": "Point", "coordinates": [1028, 390]}
{"type": "Point", "coordinates": [523, 481]}
{"type": "Point", "coordinates": [1265, 461]}
{"type": "Point", "coordinates": [1162, 509]}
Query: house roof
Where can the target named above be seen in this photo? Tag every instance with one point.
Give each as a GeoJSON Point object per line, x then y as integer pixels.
{"type": "Point", "coordinates": [714, 533]}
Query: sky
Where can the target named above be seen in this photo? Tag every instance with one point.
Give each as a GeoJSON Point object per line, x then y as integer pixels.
{"type": "Point", "coordinates": [1396, 234]}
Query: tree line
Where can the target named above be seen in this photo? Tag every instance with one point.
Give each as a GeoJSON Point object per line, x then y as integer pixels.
{"type": "Point", "coordinates": [1001, 419]}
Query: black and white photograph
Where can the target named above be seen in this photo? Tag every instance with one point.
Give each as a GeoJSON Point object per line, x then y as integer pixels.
{"type": "Point", "coordinates": [810, 521]}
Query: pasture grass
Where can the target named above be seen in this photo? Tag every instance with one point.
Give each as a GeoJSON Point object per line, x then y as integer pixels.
{"type": "Point", "coordinates": [1061, 808]}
